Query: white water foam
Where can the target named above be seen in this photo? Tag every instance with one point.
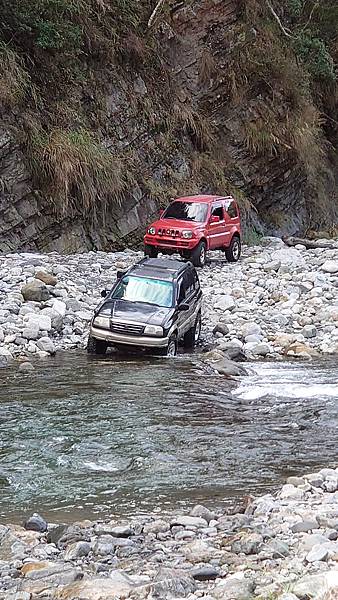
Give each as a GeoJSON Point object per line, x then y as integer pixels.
{"type": "Point", "coordinates": [291, 382]}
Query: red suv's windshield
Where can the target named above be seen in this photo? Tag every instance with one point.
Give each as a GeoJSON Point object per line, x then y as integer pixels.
{"type": "Point", "coordinates": [186, 211]}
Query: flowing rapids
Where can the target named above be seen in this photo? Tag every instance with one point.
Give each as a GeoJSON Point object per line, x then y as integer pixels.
{"type": "Point", "coordinates": [119, 435]}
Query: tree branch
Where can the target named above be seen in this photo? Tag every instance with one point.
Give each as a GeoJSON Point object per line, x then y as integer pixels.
{"type": "Point", "coordinates": [273, 12]}
{"type": "Point", "coordinates": [155, 11]}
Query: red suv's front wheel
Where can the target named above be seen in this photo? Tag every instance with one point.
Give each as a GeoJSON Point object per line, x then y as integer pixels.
{"type": "Point", "coordinates": [199, 254]}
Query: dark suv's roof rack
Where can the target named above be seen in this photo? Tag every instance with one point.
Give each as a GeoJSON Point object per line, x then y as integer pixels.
{"type": "Point", "coordinates": [169, 266]}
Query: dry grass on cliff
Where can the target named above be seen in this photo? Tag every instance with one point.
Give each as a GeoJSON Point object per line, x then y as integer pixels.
{"type": "Point", "coordinates": [82, 176]}
{"type": "Point", "coordinates": [14, 79]}
{"type": "Point", "coordinates": [187, 120]}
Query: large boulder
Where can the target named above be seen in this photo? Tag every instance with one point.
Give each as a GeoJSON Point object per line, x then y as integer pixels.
{"type": "Point", "coordinates": [46, 278]}
{"type": "Point", "coordinates": [35, 291]}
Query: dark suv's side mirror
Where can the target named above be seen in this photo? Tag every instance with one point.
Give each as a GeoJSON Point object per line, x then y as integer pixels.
{"type": "Point", "coordinates": [104, 293]}
{"type": "Point", "coordinates": [183, 307]}
{"type": "Point", "coordinates": [120, 274]}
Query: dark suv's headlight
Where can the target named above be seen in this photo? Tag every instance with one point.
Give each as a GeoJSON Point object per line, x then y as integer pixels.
{"type": "Point", "coordinates": [154, 330]}
{"type": "Point", "coordinates": [103, 322]}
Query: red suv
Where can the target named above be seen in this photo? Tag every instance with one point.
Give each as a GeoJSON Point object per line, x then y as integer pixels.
{"type": "Point", "coordinates": [193, 225]}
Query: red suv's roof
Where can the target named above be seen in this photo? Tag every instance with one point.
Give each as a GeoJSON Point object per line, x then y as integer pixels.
{"type": "Point", "coordinates": [202, 198]}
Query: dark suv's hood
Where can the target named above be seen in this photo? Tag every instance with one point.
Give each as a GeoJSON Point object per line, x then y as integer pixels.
{"type": "Point", "coordinates": [135, 311]}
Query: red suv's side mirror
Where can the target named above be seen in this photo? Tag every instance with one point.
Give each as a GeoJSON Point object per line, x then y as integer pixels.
{"type": "Point", "coordinates": [214, 219]}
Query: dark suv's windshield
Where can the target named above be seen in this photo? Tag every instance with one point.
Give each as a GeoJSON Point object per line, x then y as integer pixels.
{"type": "Point", "coordinates": [142, 289]}
{"type": "Point", "coordinates": [186, 211]}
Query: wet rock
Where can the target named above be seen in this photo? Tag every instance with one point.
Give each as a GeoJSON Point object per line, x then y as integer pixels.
{"type": "Point", "coordinates": [221, 328]}
{"type": "Point", "coordinates": [247, 544]}
{"type": "Point", "coordinates": [121, 531]}
{"type": "Point", "coordinates": [64, 535]}
{"type": "Point", "coordinates": [203, 512]}
{"type": "Point", "coordinates": [46, 278]}
{"type": "Point", "coordinates": [304, 526]}
{"type": "Point", "coordinates": [41, 576]}
{"type": "Point", "coordinates": [46, 345]}
{"type": "Point", "coordinates": [187, 521]}
{"type": "Point", "coordinates": [172, 583]}
{"type": "Point", "coordinates": [330, 266]}
{"type": "Point", "coordinates": [205, 573]}
{"type": "Point", "coordinates": [225, 302]}
{"type": "Point", "coordinates": [234, 587]}
{"type": "Point", "coordinates": [77, 550]}
{"type": "Point", "coordinates": [311, 586]}
{"type": "Point", "coordinates": [318, 553]}
{"type": "Point", "coordinates": [104, 545]}
{"type": "Point", "coordinates": [118, 585]}
{"type": "Point", "coordinates": [35, 291]}
{"type": "Point", "coordinates": [26, 367]}
{"type": "Point", "coordinates": [36, 523]}
{"type": "Point", "coordinates": [228, 368]}
{"type": "Point", "coordinates": [278, 548]}
{"type": "Point", "coordinates": [158, 526]}
{"type": "Point", "coordinates": [199, 552]}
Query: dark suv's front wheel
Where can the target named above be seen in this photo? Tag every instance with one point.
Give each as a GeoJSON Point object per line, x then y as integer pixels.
{"type": "Point", "coordinates": [199, 255]}
{"type": "Point", "coordinates": [150, 251]}
{"type": "Point", "coordinates": [95, 346]}
{"type": "Point", "coordinates": [170, 349]}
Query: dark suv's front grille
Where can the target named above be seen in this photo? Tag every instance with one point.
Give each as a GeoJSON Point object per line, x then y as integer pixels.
{"type": "Point", "coordinates": [126, 328]}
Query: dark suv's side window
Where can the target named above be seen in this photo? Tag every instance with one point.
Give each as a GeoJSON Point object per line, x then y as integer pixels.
{"type": "Point", "coordinates": [218, 211]}
{"type": "Point", "coordinates": [182, 291]}
{"type": "Point", "coordinates": [186, 286]}
{"type": "Point", "coordinates": [232, 210]}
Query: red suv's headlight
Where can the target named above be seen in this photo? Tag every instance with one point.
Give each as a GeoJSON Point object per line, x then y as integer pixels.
{"type": "Point", "coordinates": [187, 234]}
{"type": "Point", "coordinates": [152, 230]}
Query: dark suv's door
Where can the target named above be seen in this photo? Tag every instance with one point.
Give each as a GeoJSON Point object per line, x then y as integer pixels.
{"type": "Point", "coordinates": [187, 294]}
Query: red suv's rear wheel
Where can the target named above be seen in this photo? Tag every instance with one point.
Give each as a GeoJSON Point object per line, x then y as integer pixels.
{"type": "Point", "coordinates": [150, 251]}
{"type": "Point", "coordinates": [233, 252]}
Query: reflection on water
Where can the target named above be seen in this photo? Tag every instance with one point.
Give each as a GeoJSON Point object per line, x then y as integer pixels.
{"type": "Point", "coordinates": [84, 435]}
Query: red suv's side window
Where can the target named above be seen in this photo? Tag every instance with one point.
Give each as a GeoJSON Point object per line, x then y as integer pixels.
{"type": "Point", "coordinates": [232, 210]}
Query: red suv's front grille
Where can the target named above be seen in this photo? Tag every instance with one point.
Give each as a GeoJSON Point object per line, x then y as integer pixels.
{"type": "Point", "coordinates": [169, 232]}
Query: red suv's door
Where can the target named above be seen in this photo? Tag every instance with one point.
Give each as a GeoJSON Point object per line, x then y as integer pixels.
{"type": "Point", "coordinates": [216, 228]}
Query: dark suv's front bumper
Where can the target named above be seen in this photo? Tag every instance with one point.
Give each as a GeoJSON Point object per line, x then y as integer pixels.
{"type": "Point", "coordinates": [143, 341]}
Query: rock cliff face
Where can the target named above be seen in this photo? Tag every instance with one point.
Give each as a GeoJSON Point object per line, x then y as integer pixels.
{"type": "Point", "coordinates": [194, 113]}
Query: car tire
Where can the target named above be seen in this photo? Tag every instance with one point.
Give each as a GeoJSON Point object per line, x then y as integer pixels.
{"type": "Point", "coordinates": [233, 252]}
{"type": "Point", "coordinates": [95, 346]}
{"type": "Point", "coordinates": [150, 251]}
{"type": "Point", "coordinates": [192, 336]}
{"type": "Point", "coordinates": [170, 349]}
{"type": "Point", "coordinates": [199, 254]}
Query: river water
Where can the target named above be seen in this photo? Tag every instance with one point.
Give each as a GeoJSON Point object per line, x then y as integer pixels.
{"type": "Point", "coordinates": [93, 437]}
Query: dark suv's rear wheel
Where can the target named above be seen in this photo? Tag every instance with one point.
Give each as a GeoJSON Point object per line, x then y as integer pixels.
{"type": "Point", "coordinates": [193, 334]}
{"type": "Point", "coordinates": [95, 346]}
{"type": "Point", "coordinates": [234, 251]}
{"type": "Point", "coordinates": [199, 255]}
{"type": "Point", "coordinates": [150, 251]}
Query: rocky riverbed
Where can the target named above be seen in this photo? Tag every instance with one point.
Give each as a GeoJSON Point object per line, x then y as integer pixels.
{"type": "Point", "coordinates": [281, 546]}
{"type": "Point", "coordinates": [277, 301]}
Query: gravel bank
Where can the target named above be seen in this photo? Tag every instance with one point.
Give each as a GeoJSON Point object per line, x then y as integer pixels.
{"type": "Point", "coordinates": [281, 546]}
{"type": "Point", "coordinates": [277, 301]}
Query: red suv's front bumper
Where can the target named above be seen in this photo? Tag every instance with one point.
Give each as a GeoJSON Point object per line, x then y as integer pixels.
{"type": "Point", "coordinates": [169, 242]}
